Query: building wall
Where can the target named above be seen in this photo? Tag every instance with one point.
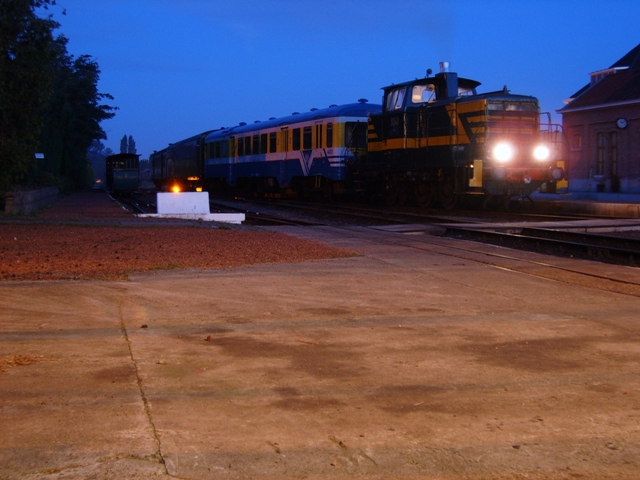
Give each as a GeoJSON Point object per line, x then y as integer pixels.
{"type": "Point", "coordinates": [602, 156]}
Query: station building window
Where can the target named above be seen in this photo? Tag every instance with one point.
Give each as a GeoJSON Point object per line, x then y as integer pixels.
{"type": "Point", "coordinates": [613, 153]}
{"type": "Point", "coordinates": [576, 141]}
{"type": "Point", "coordinates": [601, 153]}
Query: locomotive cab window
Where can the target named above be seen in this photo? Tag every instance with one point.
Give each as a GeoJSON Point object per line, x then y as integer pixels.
{"type": "Point", "coordinates": [395, 99]}
{"type": "Point", "coordinates": [423, 93]}
{"type": "Point", "coordinates": [465, 91]}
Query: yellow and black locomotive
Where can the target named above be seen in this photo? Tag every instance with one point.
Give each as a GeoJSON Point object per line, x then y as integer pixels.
{"type": "Point", "coordinates": [436, 138]}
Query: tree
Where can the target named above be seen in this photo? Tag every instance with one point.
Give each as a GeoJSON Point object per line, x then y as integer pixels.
{"type": "Point", "coordinates": [49, 101]}
{"type": "Point", "coordinates": [26, 80]}
{"type": "Point", "coordinates": [127, 145]}
{"type": "Point", "coordinates": [132, 145]}
{"type": "Point", "coordinates": [73, 118]}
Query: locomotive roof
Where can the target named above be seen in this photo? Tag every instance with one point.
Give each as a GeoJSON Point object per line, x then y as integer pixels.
{"type": "Point", "coordinates": [439, 78]}
{"type": "Point", "coordinates": [360, 109]}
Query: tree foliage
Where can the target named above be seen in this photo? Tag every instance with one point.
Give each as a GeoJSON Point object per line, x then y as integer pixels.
{"type": "Point", "coordinates": [127, 144]}
{"type": "Point", "coordinates": [49, 100]}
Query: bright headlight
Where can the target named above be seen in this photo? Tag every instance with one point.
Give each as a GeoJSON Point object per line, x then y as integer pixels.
{"type": "Point", "coordinates": [541, 152]}
{"type": "Point", "coordinates": [503, 152]}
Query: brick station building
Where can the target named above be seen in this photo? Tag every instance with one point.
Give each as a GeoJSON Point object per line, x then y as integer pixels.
{"type": "Point", "coordinates": [601, 123]}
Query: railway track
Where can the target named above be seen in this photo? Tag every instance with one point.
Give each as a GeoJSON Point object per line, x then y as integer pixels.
{"type": "Point", "coordinates": [564, 269]}
{"type": "Point", "coordinates": [499, 228]}
{"type": "Point", "coordinates": [515, 230]}
{"type": "Point", "coordinates": [600, 247]}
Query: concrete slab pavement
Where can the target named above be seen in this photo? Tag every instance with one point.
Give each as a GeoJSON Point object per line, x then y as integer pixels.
{"type": "Point", "coordinates": [400, 363]}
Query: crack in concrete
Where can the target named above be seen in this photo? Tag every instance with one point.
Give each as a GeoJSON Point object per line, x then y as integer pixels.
{"type": "Point", "coordinates": [145, 402]}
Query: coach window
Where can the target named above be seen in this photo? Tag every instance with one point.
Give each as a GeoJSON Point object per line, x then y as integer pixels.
{"type": "Point", "coordinates": [296, 139]}
{"type": "Point", "coordinates": [273, 142]}
{"type": "Point", "coordinates": [241, 147]}
{"type": "Point", "coordinates": [307, 138]}
{"type": "Point", "coordinates": [247, 145]}
{"type": "Point", "coordinates": [256, 144]}
{"type": "Point", "coordinates": [319, 135]}
{"type": "Point", "coordinates": [329, 135]}
{"type": "Point", "coordinates": [263, 143]}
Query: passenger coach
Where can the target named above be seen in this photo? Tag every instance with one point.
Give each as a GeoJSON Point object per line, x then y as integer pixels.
{"type": "Point", "coordinates": [304, 153]}
{"type": "Point", "coordinates": [122, 172]}
{"type": "Point", "coordinates": [180, 166]}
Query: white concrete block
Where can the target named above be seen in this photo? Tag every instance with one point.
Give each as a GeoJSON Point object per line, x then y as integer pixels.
{"type": "Point", "coordinates": [183, 203]}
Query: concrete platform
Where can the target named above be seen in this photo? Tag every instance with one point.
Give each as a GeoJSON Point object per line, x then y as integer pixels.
{"type": "Point", "coordinates": [407, 361]}
{"type": "Point", "coordinates": [599, 204]}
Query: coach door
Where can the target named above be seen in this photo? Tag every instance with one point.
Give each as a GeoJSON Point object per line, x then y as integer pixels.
{"type": "Point", "coordinates": [284, 150]}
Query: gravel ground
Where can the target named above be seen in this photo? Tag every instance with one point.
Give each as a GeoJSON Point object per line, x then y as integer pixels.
{"type": "Point", "coordinates": [60, 249]}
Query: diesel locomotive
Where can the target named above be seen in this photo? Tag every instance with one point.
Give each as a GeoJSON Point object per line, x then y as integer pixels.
{"type": "Point", "coordinates": [433, 140]}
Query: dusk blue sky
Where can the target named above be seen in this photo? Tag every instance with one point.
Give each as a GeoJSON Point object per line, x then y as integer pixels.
{"type": "Point", "coordinates": [178, 68]}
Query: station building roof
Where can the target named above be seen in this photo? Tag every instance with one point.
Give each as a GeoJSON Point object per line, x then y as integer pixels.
{"type": "Point", "coordinates": [618, 84]}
